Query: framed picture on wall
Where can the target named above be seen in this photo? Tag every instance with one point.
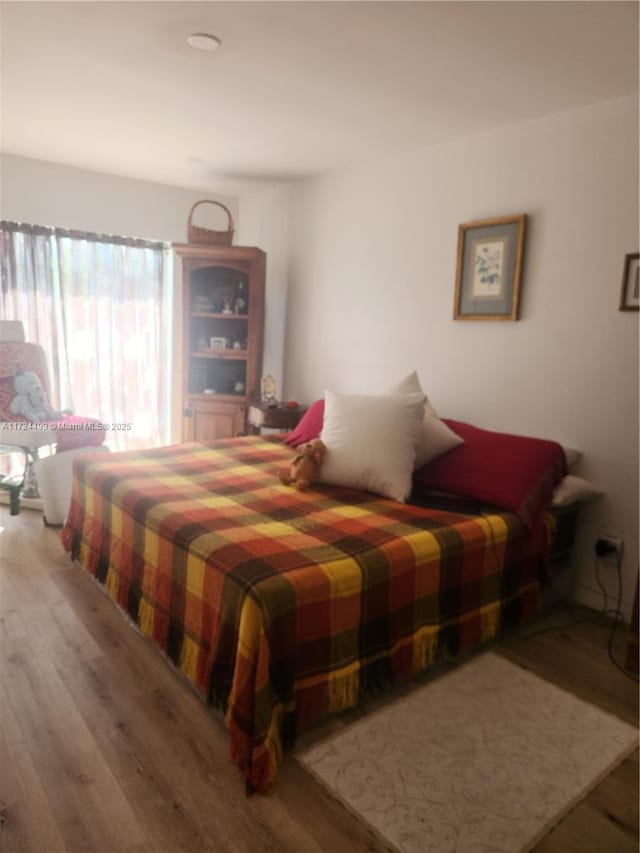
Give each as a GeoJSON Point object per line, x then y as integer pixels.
{"type": "Point", "coordinates": [630, 293]}
{"type": "Point", "coordinates": [489, 268]}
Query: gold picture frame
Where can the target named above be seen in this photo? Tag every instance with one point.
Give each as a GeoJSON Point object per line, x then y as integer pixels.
{"type": "Point", "coordinates": [489, 268]}
{"type": "Point", "coordinates": [630, 291]}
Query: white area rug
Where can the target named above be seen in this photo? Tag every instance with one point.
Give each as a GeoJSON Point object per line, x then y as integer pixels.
{"type": "Point", "coordinates": [486, 758]}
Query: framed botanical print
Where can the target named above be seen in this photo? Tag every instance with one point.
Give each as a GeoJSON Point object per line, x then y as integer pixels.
{"type": "Point", "coordinates": [489, 268]}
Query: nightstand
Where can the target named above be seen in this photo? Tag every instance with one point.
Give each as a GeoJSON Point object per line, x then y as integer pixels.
{"type": "Point", "coordinates": [563, 536]}
{"type": "Point", "coordinates": [283, 418]}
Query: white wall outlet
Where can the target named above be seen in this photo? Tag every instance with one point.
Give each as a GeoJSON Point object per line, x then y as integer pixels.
{"type": "Point", "coordinates": [607, 543]}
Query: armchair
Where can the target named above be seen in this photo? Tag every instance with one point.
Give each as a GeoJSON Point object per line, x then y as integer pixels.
{"type": "Point", "coordinates": [28, 435]}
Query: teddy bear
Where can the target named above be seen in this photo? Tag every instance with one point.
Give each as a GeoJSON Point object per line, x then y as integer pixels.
{"type": "Point", "coordinates": [30, 401]}
{"type": "Point", "coordinates": [305, 465]}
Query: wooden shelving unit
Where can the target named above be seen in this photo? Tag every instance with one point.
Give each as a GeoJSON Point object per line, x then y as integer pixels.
{"type": "Point", "coordinates": [223, 306]}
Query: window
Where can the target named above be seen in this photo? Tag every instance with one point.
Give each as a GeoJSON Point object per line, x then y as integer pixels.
{"type": "Point", "coordinates": [97, 305]}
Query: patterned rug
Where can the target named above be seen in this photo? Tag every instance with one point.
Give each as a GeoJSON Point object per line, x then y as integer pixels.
{"type": "Point", "coordinates": [486, 758]}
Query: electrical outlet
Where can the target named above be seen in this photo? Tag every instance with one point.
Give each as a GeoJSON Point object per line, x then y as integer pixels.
{"type": "Point", "coordinates": [609, 544]}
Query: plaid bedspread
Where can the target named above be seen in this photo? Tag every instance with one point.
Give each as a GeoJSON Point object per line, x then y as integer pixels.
{"type": "Point", "coordinates": [282, 606]}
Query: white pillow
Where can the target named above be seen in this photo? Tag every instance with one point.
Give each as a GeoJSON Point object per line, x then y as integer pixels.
{"type": "Point", "coordinates": [572, 456]}
{"type": "Point", "coordinates": [371, 442]}
{"type": "Point", "coordinates": [435, 437]}
{"type": "Point", "coordinates": [573, 489]}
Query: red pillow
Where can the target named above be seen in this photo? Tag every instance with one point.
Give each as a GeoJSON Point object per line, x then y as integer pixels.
{"type": "Point", "coordinates": [310, 425]}
{"type": "Point", "coordinates": [510, 471]}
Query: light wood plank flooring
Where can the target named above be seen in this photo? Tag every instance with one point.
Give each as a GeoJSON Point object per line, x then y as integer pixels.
{"type": "Point", "coordinates": [105, 749]}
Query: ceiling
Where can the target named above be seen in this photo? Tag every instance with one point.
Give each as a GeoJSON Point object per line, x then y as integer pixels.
{"type": "Point", "coordinates": [297, 88]}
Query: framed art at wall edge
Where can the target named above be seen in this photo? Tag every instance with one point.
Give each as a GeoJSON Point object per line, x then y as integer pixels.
{"type": "Point", "coordinates": [630, 292]}
{"type": "Point", "coordinates": [489, 268]}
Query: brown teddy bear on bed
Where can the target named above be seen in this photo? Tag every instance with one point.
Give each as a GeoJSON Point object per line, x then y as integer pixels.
{"type": "Point", "coordinates": [305, 465]}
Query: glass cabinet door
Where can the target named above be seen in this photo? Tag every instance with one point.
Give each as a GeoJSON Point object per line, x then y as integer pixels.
{"type": "Point", "coordinates": [218, 330]}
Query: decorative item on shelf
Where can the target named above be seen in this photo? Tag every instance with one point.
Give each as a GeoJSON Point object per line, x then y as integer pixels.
{"type": "Point", "coordinates": [197, 234]}
{"type": "Point", "coordinates": [217, 343]}
{"type": "Point", "coordinates": [238, 344]}
{"type": "Point", "coordinates": [240, 301]}
{"type": "Point", "coordinates": [202, 304]}
{"type": "Point", "coordinates": [630, 293]}
{"type": "Point", "coordinates": [268, 390]}
{"type": "Point", "coordinates": [238, 388]}
{"type": "Point", "coordinates": [224, 296]}
{"type": "Point", "coordinates": [489, 268]}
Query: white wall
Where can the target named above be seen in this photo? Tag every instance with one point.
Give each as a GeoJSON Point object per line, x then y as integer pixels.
{"type": "Point", "coordinates": [370, 296]}
{"type": "Point", "coordinates": [50, 194]}
{"type": "Point", "coordinates": [264, 221]}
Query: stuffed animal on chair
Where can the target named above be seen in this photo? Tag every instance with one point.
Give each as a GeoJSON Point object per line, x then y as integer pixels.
{"type": "Point", "coordinates": [305, 465]}
{"type": "Point", "coordinates": [30, 400]}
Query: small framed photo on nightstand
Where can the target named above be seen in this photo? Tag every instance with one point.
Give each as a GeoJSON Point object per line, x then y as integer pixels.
{"type": "Point", "coordinates": [630, 293]}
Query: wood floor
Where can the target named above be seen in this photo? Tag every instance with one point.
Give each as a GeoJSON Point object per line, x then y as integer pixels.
{"type": "Point", "coordinates": [104, 748]}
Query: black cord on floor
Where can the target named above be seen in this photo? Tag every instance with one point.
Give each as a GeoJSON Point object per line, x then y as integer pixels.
{"type": "Point", "coordinates": [605, 612]}
{"type": "Point", "coordinates": [616, 622]}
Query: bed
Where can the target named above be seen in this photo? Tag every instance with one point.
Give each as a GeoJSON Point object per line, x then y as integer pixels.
{"type": "Point", "coordinates": [282, 606]}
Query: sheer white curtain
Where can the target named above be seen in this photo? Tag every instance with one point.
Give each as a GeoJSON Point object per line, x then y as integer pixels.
{"type": "Point", "coordinates": [98, 307]}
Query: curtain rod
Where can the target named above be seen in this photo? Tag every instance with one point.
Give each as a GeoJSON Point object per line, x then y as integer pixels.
{"type": "Point", "coordinates": [43, 230]}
